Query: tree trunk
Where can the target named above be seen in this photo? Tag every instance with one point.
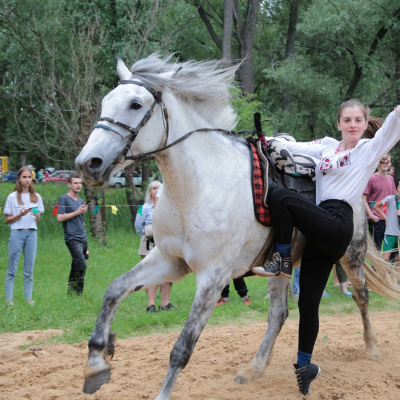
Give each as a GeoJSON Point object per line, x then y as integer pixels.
{"type": "Point", "coordinates": [23, 159]}
{"type": "Point", "coordinates": [131, 191]}
{"type": "Point", "coordinates": [246, 31]}
{"type": "Point", "coordinates": [290, 40]}
{"type": "Point", "coordinates": [145, 173]}
{"type": "Point", "coordinates": [227, 36]}
{"type": "Point", "coordinates": [98, 222]}
{"type": "Point", "coordinates": [97, 227]}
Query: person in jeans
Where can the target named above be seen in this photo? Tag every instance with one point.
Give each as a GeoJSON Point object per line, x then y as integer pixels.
{"type": "Point", "coordinates": [22, 211]}
{"type": "Point", "coordinates": [70, 212]}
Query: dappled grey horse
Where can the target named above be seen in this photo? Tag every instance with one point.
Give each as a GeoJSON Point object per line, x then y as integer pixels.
{"type": "Point", "coordinates": [204, 222]}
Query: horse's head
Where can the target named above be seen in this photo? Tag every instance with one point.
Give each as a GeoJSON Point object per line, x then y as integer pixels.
{"type": "Point", "coordinates": [132, 122]}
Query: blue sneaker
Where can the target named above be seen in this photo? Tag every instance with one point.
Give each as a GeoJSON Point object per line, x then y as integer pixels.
{"type": "Point", "coordinates": [325, 294]}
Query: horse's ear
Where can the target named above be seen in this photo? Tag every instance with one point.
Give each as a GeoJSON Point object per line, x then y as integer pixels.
{"type": "Point", "coordinates": [122, 70]}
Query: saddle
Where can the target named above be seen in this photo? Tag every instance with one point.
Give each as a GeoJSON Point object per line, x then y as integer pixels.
{"type": "Point", "coordinates": [273, 165]}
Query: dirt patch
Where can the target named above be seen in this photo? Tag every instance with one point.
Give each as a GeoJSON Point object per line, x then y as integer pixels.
{"type": "Point", "coordinates": [140, 364]}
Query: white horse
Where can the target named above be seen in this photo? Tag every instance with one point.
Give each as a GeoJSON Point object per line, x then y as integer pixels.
{"type": "Point", "coordinates": [204, 222]}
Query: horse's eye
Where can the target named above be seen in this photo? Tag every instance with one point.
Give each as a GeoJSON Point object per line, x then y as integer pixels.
{"type": "Point", "coordinates": [135, 106]}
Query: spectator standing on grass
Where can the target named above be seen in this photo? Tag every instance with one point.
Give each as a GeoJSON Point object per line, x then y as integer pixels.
{"type": "Point", "coordinates": [342, 278]}
{"type": "Point", "coordinates": [392, 231]}
{"type": "Point", "coordinates": [70, 212]}
{"type": "Point", "coordinates": [241, 289]}
{"type": "Point", "coordinates": [40, 176]}
{"type": "Point", "coordinates": [145, 219]}
{"type": "Point", "coordinates": [380, 185]}
{"type": "Point", "coordinates": [33, 174]}
{"type": "Point", "coordinates": [22, 210]}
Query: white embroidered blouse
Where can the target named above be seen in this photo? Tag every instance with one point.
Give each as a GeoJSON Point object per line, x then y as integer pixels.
{"type": "Point", "coordinates": [343, 175]}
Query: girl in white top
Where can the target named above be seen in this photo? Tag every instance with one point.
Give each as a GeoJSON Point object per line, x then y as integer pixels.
{"type": "Point", "coordinates": [342, 172]}
{"type": "Point", "coordinates": [142, 220]}
{"type": "Point", "coordinates": [22, 211]}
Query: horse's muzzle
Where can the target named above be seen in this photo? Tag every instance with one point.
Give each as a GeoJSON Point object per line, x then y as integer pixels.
{"type": "Point", "coordinates": [93, 171]}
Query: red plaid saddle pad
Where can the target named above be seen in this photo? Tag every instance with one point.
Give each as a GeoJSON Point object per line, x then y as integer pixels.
{"type": "Point", "coordinates": [261, 212]}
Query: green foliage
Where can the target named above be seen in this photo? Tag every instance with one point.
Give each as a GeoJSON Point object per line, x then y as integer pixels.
{"type": "Point", "coordinates": [245, 107]}
{"type": "Point", "coordinates": [59, 54]}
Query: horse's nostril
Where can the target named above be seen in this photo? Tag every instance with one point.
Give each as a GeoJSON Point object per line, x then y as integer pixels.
{"type": "Point", "coordinates": [94, 164]}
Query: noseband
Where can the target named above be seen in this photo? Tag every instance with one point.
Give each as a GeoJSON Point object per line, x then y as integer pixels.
{"type": "Point", "coordinates": [135, 131]}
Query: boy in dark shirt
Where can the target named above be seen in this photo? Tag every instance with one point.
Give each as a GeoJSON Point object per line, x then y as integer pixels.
{"type": "Point", "coordinates": [70, 212]}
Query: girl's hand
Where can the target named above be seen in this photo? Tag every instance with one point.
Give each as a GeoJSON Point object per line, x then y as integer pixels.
{"type": "Point", "coordinates": [25, 211]}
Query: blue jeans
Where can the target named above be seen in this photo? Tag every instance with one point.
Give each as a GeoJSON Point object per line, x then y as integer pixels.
{"type": "Point", "coordinates": [296, 281]}
{"type": "Point", "coordinates": [76, 280]}
{"type": "Point", "coordinates": [21, 240]}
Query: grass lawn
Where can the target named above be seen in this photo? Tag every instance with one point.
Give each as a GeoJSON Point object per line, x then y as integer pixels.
{"type": "Point", "coordinates": [54, 309]}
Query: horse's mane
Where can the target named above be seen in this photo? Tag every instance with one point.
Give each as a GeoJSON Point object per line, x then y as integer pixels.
{"type": "Point", "coordinates": [205, 84]}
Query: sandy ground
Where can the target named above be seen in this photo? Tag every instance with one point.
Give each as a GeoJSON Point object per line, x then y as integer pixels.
{"type": "Point", "coordinates": [139, 366]}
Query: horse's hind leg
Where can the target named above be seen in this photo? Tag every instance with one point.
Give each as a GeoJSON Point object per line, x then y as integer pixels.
{"type": "Point", "coordinates": [278, 312]}
{"type": "Point", "coordinates": [151, 271]}
{"type": "Point", "coordinates": [353, 262]}
{"type": "Point", "coordinates": [209, 286]}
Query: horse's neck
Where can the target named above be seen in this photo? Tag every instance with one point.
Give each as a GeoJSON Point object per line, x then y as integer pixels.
{"type": "Point", "coordinates": [200, 164]}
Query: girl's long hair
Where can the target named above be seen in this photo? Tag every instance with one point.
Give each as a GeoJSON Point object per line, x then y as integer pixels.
{"type": "Point", "coordinates": [154, 184]}
{"type": "Point", "coordinates": [374, 124]}
{"type": "Point", "coordinates": [18, 188]}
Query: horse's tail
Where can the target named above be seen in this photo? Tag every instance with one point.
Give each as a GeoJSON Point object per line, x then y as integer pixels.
{"type": "Point", "coordinates": [380, 275]}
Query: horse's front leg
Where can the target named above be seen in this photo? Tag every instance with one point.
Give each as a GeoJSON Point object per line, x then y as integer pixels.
{"type": "Point", "coordinates": [151, 271]}
{"type": "Point", "coordinates": [278, 312]}
{"type": "Point", "coordinates": [209, 286]}
{"type": "Point", "coordinates": [353, 262]}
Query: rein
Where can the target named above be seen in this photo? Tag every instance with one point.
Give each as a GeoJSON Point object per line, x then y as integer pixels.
{"type": "Point", "coordinates": [135, 131]}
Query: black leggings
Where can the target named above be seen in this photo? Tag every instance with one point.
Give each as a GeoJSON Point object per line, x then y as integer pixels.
{"type": "Point", "coordinates": [328, 229]}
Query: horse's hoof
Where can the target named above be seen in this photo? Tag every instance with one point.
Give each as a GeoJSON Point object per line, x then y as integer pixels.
{"type": "Point", "coordinates": [374, 353]}
{"type": "Point", "coordinates": [93, 383]}
{"type": "Point", "coordinates": [246, 375]}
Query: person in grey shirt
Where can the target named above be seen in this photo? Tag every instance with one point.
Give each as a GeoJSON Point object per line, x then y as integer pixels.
{"type": "Point", "coordinates": [70, 212]}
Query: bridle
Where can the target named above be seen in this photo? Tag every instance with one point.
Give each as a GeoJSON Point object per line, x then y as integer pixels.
{"type": "Point", "coordinates": [135, 131]}
{"type": "Point", "coordinates": [122, 157]}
